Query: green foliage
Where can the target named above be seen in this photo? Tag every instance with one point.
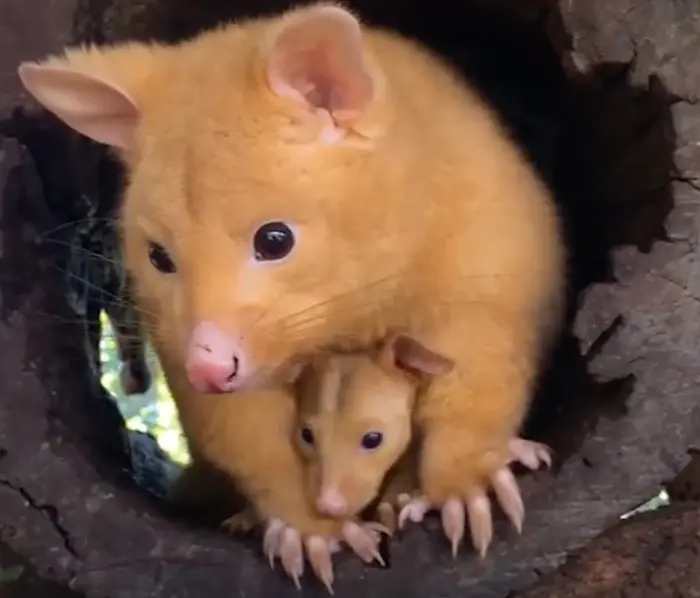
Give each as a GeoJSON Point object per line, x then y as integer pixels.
{"type": "Point", "coordinates": [153, 411]}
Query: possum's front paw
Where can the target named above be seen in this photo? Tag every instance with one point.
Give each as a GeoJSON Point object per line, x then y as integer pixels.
{"type": "Point", "coordinates": [457, 487]}
{"type": "Point", "coordinates": [287, 543]}
{"type": "Point", "coordinates": [414, 509]}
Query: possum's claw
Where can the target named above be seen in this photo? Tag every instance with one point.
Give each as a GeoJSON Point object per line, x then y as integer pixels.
{"type": "Point", "coordinates": [319, 552]}
{"type": "Point", "coordinates": [291, 554]}
{"type": "Point", "coordinates": [271, 540]}
{"type": "Point", "coordinates": [530, 454]}
{"type": "Point", "coordinates": [473, 503]}
{"type": "Point", "coordinates": [398, 508]}
{"type": "Point", "coordinates": [413, 509]}
{"type": "Point", "coordinates": [478, 510]}
{"type": "Point", "coordinates": [453, 522]}
{"type": "Point", "coordinates": [363, 539]}
{"type": "Point", "coordinates": [241, 523]}
{"type": "Point", "coordinates": [394, 514]}
{"type": "Point", "coordinates": [287, 543]}
{"type": "Point", "coordinates": [507, 492]}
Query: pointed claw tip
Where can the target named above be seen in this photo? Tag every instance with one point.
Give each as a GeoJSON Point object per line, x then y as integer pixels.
{"type": "Point", "coordinates": [455, 541]}
{"type": "Point", "coordinates": [270, 558]}
{"type": "Point", "coordinates": [379, 527]}
{"type": "Point", "coordinates": [517, 520]}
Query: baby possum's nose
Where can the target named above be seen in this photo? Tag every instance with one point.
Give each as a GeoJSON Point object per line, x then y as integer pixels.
{"type": "Point", "coordinates": [216, 362]}
{"type": "Point", "coordinates": [331, 502]}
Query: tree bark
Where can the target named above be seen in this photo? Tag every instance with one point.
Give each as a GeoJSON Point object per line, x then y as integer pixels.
{"type": "Point", "coordinates": [611, 119]}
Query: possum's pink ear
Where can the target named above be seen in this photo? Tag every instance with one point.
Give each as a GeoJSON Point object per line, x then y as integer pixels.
{"type": "Point", "coordinates": [91, 106]}
{"type": "Point", "coordinates": [405, 352]}
{"type": "Point", "coordinates": [317, 58]}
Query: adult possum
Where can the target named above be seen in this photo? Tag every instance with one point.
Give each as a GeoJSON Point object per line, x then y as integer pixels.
{"type": "Point", "coordinates": [301, 180]}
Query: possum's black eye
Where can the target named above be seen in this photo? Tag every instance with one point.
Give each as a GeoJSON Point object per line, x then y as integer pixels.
{"type": "Point", "coordinates": [371, 440]}
{"type": "Point", "coordinates": [273, 241]}
{"type": "Point", "coordinates": [160, 259]}
{"type": "Point", "coordinates": [307, 435]}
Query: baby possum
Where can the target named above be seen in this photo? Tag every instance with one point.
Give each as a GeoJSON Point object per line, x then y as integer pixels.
{"type": "Point", "coordinates": [300, 181]}
{"type": "Point", "coordinates": [355, 431]}
{"type": "Point", "coordinates": [355, 424]}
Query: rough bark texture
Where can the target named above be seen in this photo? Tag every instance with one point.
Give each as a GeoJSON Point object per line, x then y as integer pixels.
{"type": "Point", "coordinates": [611, 118]}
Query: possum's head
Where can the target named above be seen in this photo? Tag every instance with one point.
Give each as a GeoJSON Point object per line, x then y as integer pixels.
{"type": "Point", "coordinates": [245, 218]}
{"type": "Point", "coordinates": [355, 418]}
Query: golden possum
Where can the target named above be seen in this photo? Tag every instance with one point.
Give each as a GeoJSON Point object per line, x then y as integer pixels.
{"type": "Point", "coordinates": [300, 181]}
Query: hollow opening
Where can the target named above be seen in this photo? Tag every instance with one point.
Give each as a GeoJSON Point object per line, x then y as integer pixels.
{"type": "Point", "coordinates": [603, 144]}
{"type": "Point", "coordinates": [149, 408]}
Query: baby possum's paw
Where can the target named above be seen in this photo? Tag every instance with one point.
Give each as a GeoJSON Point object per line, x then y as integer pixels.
{"type": "Point", "coordinates": [394, 514]}
{"type": "Point", "coordinates": [287, 543]}
{"type": "Point", "coordinates": [471, 502]}
{"type": "Point", "coordinates": [243, 522]}
{"type": "Point", "coordinates": [414, 509]}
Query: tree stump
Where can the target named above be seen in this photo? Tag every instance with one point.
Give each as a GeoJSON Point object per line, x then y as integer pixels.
{"type": "Point", "coordinates": [603, 95]}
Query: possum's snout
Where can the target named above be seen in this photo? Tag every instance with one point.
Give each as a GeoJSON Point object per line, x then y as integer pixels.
{"type": "Point", "coordinates": [332, 502]}
{"type": "Point", "coordinates": [216, 362]}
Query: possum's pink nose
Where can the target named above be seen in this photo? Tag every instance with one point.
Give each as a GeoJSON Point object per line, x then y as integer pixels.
{"type": "Point", "coordinates": [216, 362]}
{"type": "Point", "coordinates": [331, 502]}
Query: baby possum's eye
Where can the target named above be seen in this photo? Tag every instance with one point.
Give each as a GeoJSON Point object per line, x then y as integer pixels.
{"type": "Point", "coordinates": [273, 241]}
{"type": "Point", "coordinates": [160, 258]}
{"type": "Point", "coordinates": [307, 435]}
{"type": "Point", "coordinates": [371, 440]}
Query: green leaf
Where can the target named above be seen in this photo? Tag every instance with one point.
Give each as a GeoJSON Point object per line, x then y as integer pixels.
{"type": "Point", "coordinates": [155, 411]}
{"type": "Point", "coordinates": [8, 574]}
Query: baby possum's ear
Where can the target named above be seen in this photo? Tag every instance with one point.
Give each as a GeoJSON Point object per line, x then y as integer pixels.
{"type": "Point", "coordinates": [316, 57]}
{"type": "Point", "coordinates": [403, 352]}
{"type": "Point", "coordinates": [84, 90]}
